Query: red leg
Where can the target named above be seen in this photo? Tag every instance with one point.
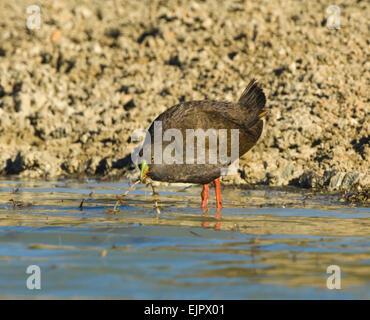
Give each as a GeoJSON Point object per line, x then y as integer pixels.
{"type": "Point", "coordinates": [218, 193]}
{"type": "Point", "coordinates": [205, 196]}
{"type": "Point", "coordinates": [218, 217]}
{"type": "Point", "coordinates": [205, 224]}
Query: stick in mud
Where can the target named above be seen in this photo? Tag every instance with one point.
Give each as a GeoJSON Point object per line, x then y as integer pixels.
{"type": "Point", "coordinates": [81, 204]}
{"type": "Point", "coordinates": [119, 201]}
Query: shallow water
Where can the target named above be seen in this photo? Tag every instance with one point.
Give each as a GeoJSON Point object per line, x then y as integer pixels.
{"type": "Point", "coordinates": [268, 243]}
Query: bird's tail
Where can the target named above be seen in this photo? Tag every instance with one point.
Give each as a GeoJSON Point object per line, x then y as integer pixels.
{"type": "Point", "coordinates": [253, 101]}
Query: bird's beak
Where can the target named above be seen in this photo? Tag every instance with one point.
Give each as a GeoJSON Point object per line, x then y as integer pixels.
{"type": "Point", "coordinates": [144, 169]}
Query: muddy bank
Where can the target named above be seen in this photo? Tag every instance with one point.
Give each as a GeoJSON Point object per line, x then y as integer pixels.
{"type": "Point", "coordinates": [72, 92]}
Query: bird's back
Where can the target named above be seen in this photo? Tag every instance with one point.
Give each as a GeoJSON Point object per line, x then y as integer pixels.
{"type": "Point", "coordinates": [244, 115]}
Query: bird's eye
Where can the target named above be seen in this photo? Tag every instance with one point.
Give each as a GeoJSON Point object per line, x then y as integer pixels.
{"type": "Point", "coordinates": [152, 159]}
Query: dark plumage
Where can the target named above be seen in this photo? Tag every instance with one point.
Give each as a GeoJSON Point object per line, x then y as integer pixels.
{"type": "Point", "coordinates": [244, 115]}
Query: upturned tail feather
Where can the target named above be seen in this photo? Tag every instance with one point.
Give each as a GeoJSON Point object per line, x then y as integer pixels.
{"type": "Point", "coordinates": [253, 100]}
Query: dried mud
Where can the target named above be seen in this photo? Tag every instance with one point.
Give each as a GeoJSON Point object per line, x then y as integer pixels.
{"type": "Point", "coordinates": [73, 91]}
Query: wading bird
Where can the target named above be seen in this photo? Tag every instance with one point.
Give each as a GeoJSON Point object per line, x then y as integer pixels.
{"type": "Point", "coordinates": [245, 116]}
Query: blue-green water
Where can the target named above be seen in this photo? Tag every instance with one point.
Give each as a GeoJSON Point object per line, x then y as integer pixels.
{"type": "Point", "coordinates": [267, 243]}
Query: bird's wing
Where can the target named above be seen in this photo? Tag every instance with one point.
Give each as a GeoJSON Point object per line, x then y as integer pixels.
{"type": "Point", "coordinates": [205, 114]}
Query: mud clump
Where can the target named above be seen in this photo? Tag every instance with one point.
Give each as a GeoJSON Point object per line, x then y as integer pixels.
{"type": "Point", "coordinates": [73, 91]}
